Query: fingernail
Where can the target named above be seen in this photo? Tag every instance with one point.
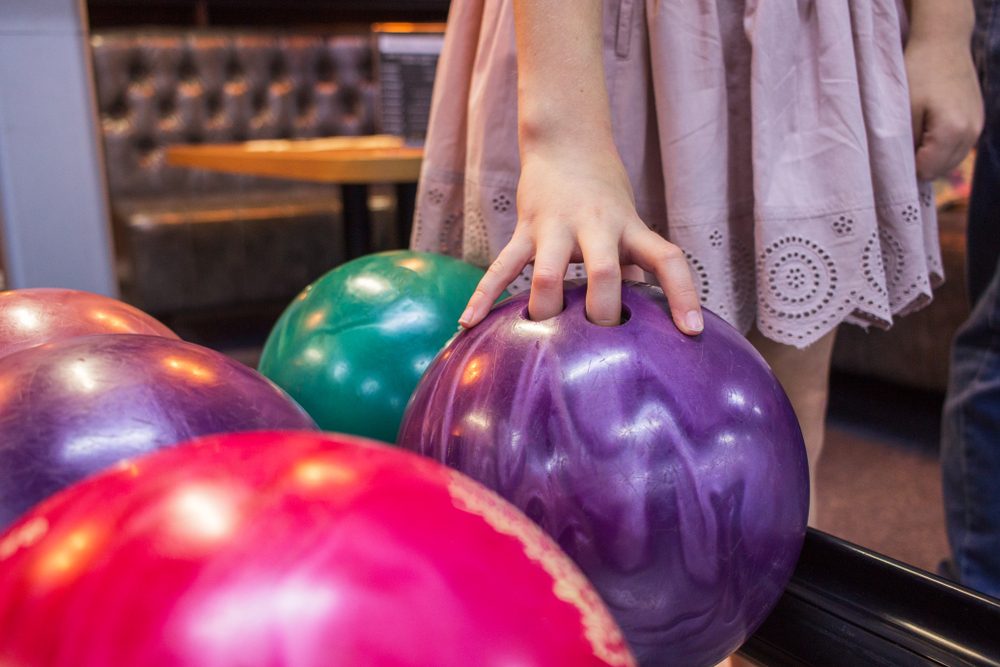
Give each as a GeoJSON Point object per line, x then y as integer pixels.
{"type": "Point", "coordinates": [466, 317]}
{"type": "Point", "coordinates": [694, 321]}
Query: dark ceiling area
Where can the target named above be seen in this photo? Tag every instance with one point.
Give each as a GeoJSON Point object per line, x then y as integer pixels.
{"type": "Point", "coordinates": [221, 13]}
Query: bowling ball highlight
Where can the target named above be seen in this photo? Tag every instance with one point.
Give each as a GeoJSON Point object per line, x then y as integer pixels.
{"type": "Point", "coordinates": [30, 317]}
{"type": "Point", "coordinates": [670, 468]}
{"type": "Point", "coordinates": [351, 348]}
{"type": "Point", "coordinates": [292, 549]}
{"type": "Point", "coordinates": [72, 408]}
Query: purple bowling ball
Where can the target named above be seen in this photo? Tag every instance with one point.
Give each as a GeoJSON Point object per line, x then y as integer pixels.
{"type": "Point", "coordinates": [72, 408]}
{"type": "Point", "coordinates": [671, 469]}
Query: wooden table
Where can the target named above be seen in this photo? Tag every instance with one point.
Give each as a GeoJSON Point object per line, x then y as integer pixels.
{"type": "Point", "coordinates": [352, 162]}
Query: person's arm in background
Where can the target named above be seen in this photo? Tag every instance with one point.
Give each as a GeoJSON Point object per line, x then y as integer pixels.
{"type": "Point", "coordinates": [944, 90]}
{"type": "Point", "coordinates": [574, 199]}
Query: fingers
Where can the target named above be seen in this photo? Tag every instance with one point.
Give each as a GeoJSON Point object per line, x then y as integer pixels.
{"type": "Point", "coordinates": [604, 279]}
{"type": "Point", "coordinates": [633, 272]}
{"type": "Point", "coordinates": [551, 260]}
{"type": "Point", "coordinates": [662, 258]}
{"type": "Point", "coordinates": [647, 249]}
{"type": "Point", "coordinates": [934, 159]}
{"type": "Point", "coordinates": [943, 145]}
{"type": "Point", "coordinates": [501, 272]}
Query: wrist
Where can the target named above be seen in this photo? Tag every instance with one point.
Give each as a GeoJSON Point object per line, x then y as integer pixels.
{"type": "Point", "coordinates": [946, 25]}
{"type": "Point", "coordinates": [554, 130]}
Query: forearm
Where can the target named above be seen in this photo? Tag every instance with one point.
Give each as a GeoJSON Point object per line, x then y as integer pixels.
{"type": "Point", "coordinates": [574, 199]}
{"type": "Point", "coordinates": [562, 96]}
{"type": "Point", "coordinates": [945, 101]}
{"type": "Point", "coordinates": [941, 20]}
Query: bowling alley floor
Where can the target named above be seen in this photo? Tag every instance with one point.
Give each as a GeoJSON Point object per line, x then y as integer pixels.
{"type": "Point", "coordinates": [879, 479]}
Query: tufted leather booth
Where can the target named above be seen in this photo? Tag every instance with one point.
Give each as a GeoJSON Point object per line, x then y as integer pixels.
{"type": "Point", "coordinates": [194, 239]}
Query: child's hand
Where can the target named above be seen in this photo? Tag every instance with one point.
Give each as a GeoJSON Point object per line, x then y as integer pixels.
{"type": "Point", "coordinates": [576, 205]}
{"type": "Point", "coordinates": [574, 200]}
{"type": "Point", "coordinates": [946, 103]}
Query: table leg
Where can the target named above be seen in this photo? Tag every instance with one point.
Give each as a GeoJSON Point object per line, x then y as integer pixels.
{"type": "Point", "coordinates": [406, 201]}
{"type": "Point", "coordinates": [357, 221]}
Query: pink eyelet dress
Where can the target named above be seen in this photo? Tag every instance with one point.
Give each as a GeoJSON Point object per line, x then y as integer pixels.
{"type": "Point", "coordinates": [770, 139]}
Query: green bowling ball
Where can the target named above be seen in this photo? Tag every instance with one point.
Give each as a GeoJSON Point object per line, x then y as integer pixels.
{"type": "Point", "coordinates": [353, 345]}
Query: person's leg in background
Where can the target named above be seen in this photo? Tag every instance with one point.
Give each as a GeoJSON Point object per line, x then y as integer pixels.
{"type": "Point", "coordinates": [970, 437]}
{"type": "Point", "coordinates": [805, 376]}
{"type": "Point", "coordinates": [970, 447]}
{"type": "Point", "coordinates": [984, 207]}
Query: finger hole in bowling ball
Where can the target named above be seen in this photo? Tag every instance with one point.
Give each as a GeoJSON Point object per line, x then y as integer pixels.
{"type": "Point", "coordinates": [625, 317]}
{"type": "Point", "coordinates": [526, 316]}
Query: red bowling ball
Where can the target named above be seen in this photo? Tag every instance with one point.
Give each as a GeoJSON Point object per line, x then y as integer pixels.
{"type": "Point", "coordinates": [291, 549]}
{"type": "Point", "coordinates": [30, 317]}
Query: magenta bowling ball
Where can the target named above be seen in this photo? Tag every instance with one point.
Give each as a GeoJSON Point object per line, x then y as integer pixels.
{"type": "Point", "coordinates": [292, 550]}
{"type": "Point", "coordinates": [72, 408]}
{"type": "Point", "coordinates": [670, 468]}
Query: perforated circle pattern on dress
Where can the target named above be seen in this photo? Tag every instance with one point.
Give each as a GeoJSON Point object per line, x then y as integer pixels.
{"type": "Point", "coordinates": [435, 196]}
{"type": "Point", "coordinates": [799, 276]}
{"type": "Point", "coordinates": [872, 265]}
{"type": "Point", "coordinates": [926, 197]}
{"type": "Point", "coordinates": [501, 202]}
{"type": "Point", "coordinates": [700, 276]}
{"type": "Point", "coordinates": [452, 225]}
{"type": "Point", "coordinates": [893, 258]}
{"type": "Point", "coordinates": [418, 227]}
{"type": "Point", "coordinates": [803, 287]}
{"type": "Point", "coordinates": [744, 292]}
{"type": "Point", "coordinates": [843, 225]}
{"type": "Point", "coordinates": [475, 240]}
{"type": "Point", "coordinates": [935, 265]}
{"type": "Point", "coordinates": [522, 282]}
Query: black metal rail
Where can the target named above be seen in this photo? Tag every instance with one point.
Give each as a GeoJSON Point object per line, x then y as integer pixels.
{"type": "Point", "coordinates": [848, 606]}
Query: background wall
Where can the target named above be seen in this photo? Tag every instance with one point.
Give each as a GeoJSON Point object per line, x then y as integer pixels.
{"type": "Point", "coordinates": [56, 229]}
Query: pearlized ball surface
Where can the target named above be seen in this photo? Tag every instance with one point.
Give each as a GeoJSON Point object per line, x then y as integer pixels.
{"type": "Point", "coordinates": [351, 348]}
{"type": "Point", "coordinates": [292, 550]}
{"type": "Point", "coordinates": [72, 408]}
{"type": "Point", "coordinates": [36, 316]}
{"type": "Point", "coordinates": [670, 468]}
